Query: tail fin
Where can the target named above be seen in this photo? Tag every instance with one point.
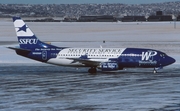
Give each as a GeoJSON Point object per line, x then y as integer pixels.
{"type": "Point", "coordinates": [26, 38]}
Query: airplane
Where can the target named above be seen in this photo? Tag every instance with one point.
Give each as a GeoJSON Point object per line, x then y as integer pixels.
{"type": "Point", "coordinates": [104, 59]}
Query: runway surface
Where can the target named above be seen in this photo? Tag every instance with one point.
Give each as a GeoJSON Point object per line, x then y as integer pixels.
{"type": "Point", "coordinates": [38, 87]}
{"type": "Point", "coordinates": [33, 86]}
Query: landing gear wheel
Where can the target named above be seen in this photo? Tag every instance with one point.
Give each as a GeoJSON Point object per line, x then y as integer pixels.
{"type": "Point", "coordinates": [155, 71]}
{"type": "Point", "coordinates": [92, 70]}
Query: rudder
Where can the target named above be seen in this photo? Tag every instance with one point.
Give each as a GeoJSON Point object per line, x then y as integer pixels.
{"type": "Point", "coordinates": [26, 38]}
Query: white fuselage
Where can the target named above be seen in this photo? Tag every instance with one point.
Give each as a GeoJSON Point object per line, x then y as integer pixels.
{"type": "Point", "coordinates": [94, 54]}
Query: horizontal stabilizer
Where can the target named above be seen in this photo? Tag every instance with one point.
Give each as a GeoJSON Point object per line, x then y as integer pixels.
{"type": "Point", "coordinates": [20, 51]}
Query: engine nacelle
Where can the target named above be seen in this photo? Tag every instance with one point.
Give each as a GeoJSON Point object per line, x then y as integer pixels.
{"type": "Point", "coordinates": [109, 66]}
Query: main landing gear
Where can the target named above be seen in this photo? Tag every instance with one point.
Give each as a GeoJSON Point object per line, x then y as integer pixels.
{"type": "Point", "coordinates": [92, 70]}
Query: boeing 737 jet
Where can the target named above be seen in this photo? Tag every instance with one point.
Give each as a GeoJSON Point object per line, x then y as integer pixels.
{"type": "Point", "coordinates": [104, 59]}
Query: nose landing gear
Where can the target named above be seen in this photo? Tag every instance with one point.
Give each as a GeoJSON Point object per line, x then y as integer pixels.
{"type": "Point", "coordinates": [156, 69]}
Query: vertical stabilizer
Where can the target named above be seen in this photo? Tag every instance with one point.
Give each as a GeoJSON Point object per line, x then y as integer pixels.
{"type": "Point", "coordinates": [26, 38]}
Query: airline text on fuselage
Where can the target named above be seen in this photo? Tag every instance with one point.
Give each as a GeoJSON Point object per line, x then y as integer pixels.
{"type": "Point", "coordinates": [94, 51]}
{"type": "Point", "coordinates": [148, 55]}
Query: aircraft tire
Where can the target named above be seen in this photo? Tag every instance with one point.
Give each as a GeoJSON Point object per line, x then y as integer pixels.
{"type": "Point", "coordinates": [92, 70]}
{"type": "Point", "coordinates": [154, 71]}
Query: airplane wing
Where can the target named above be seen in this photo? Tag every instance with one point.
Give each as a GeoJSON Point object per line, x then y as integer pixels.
{"type": "Point", "coordinates": [86, 62]}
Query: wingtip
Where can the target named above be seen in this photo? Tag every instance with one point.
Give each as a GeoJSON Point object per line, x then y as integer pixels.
{"type": "Point", "coordinates": [15, 18]}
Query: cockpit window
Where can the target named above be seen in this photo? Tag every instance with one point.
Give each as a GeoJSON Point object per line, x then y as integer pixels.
{"type": "Point", "coordinates": [163, 55]}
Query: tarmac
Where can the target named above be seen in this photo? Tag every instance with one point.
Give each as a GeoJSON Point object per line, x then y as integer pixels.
{"type": "Point", "coordinates": [30, 85]}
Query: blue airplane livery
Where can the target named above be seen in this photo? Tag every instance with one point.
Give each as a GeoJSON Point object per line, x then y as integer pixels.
{"type": "Point", "coordinates": [104, 59]}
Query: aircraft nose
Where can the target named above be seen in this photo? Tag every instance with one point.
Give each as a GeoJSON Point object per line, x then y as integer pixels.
{"type": "Point", "coordinates": [167, 61]}
{"type": "Point", "coordinates": [170, 60]}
